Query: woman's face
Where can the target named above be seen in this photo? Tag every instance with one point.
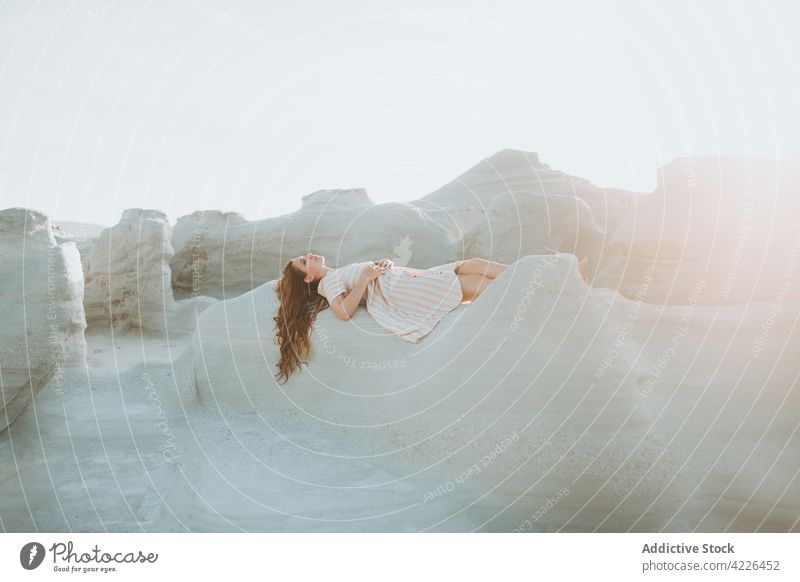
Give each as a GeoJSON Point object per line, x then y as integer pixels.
{"type": "Point", "coordinates": [311, 265]}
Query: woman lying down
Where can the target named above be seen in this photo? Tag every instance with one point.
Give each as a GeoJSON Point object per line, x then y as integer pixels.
{"type": "Point", "coordinates": [406, 301]}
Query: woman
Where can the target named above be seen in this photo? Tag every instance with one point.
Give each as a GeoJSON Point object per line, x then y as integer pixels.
{"type": "Point", "coordinates": [408, 302]}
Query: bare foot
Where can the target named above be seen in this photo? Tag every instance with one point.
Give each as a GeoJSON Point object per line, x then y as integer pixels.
{"type": "Point", "coordinates": [582, 267]}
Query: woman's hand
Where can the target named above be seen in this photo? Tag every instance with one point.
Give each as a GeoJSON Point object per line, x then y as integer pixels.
{"type": "Point", "coordinates": [384, 264]}
{"type": "Point", "coordinates": [371, 272]}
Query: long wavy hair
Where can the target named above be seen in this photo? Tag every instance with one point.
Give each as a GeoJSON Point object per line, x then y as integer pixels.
{"type": "Point", "coordinates": [299, 304]}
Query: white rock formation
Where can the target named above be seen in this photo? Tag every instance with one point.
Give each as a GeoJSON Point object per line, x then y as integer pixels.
{"type": "Point", "coordinates": [509, 205]}
{"type": "Point", "coordinates": [517, 225]}
{"type": "Point", "coordinates": [343, 225]}
{"type": "Point", "coordinates": [41, 285]}
{"type": "Point", "coordinates": [521, 178]}
{"type": "Point", "coordinates": [128, 279]}
{"type": "Point", "coordinates": [83, 234]}
{"type": "Point", "coordinates": [543, 393]}
{"type": "Point", "coordinates": [546, 405]}
{"type": "Point", "coordinates": [718, 230]}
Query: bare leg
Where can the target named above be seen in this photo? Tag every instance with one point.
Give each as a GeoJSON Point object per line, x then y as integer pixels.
{"type": "Point", "coordinates": [482, 267]}
{"type": "Point", "coordinates": [472, 286]}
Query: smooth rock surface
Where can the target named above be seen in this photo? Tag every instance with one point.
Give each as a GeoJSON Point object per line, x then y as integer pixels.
{"type": "Point", "coordinates": [588, 391]}
{"type": "Point", "coordinates": [128, 278]}
{"type": "Point", "coordinates": [545, 405]}
{"type": "Point", "coordinates": [516, 225]}
{"type": "Point", "coordinates": [522, 177]}
{"type": "Point", "coordinates": [41, 285]}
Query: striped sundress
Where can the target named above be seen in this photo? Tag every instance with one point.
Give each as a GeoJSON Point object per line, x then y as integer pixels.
{"type": "Point", "coordinates": [406, 301]}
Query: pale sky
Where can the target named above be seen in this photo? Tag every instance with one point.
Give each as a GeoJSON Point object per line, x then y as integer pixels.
{"type": "Point", "coordinates": [183, 106]}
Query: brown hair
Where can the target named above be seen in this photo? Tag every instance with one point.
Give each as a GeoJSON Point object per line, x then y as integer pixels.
{"type": "Point", "coordinates": [299, 304]}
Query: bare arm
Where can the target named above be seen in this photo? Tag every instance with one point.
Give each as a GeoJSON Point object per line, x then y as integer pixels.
{"type": "Point", "coordinates": [345, 304]}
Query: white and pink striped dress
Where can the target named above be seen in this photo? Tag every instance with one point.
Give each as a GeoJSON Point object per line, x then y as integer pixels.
{"type": "Point", "coordinates": [408, 302]}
